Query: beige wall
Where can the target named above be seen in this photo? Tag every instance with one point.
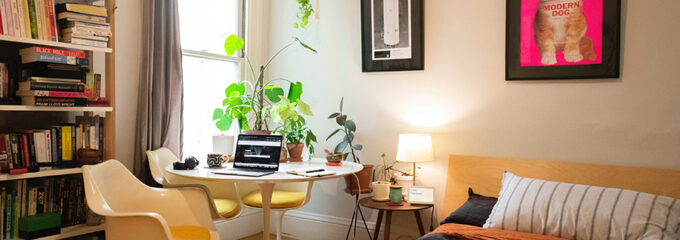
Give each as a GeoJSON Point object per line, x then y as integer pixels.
{"type": "Point", "coordinates": [128, 59]}
{"type": "Point", "coordinates": [462, 99]}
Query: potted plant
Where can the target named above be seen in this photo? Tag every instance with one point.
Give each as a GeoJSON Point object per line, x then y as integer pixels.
{"type": "Point", "coordinates": [293, 126]}
{"type": "Point", "coordinates": [383, 180]}
{"type": "Point", "coordinates": [347, 129]}
{"type": "Point", "coordinates": [247, 102]}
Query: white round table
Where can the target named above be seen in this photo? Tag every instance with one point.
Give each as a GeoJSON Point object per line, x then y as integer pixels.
{"type": "Point", "coordinates": [266, 183]}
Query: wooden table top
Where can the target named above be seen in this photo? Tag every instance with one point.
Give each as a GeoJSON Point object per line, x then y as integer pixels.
{"type": "Point", "coordinates": [370, 203]}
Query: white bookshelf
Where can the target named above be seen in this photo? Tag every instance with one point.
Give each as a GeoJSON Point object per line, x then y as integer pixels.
{"type": "Point", "coordinates": [33, 42]}
{"type": "Point", "coordinates": [41, 173]}
{"type": "Point", "coordinates": [72, 231]}
{"type": "Point", "coordinates": [26, 108]}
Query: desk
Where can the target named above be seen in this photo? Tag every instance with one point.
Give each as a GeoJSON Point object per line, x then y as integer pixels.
{"type": "Point", "coordinates": [266, 183]}
{"type": "Point", "coordinates": [382, 207]}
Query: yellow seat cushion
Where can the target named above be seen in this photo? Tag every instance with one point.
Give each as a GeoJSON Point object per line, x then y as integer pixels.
{"type": "Point", "coordinates": [189, 233]}
{"type": "Point", "coordinates": [226, 207]}
{"type": "Point", "coordinates": [280, 199]}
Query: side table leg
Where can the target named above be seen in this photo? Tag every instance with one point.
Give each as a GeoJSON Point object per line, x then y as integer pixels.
{"type": "Point", "coordinates": [266, 190]}
{"type": "Point", "coordinates": [420, 222]}
{"type": "Point", "coordinates": [388, 222]}
{"type": "Point", "coordinates": [377, 225]}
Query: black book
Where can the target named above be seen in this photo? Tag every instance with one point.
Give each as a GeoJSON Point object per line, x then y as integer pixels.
{"type": "Point", "coordinates": [33, 85]}
{"type": "Point", "coordinates": [52, 70]}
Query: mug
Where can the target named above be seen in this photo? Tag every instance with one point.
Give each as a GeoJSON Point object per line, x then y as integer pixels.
{"type": "Point", "coordinates": [395, 194]}
{"type": "Point", "coordinates": [214, 160]}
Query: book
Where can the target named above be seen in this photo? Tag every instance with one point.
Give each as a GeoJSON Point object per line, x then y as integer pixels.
{"type": "Point", "coordinates": [43, 93]}
{"type": "Point", "coordinates": [81, 8]}
{"type": "Point", "coordinates": [32, 85]}
{"type": "Point", "coordinates": [19, 18]}
{"type": "Point", "coordinates": [85, 30]}
{"type": "Point", "coordinates": [98, 26]}
{"type": "Point", "coordinates": [15, 18]}
{"type": "Point", "coordinates": [9, 18]}
{"type": "Point", "coordinates": [87, 42]}
{"type": "Point", "coordinates": [53, 70]}
{"type": "Point", "coordinates": [54, 101]}
{"type": "Point", "coordinates": [27, 18]}
{"type": "Point", "coordinates": [55, 51]}
{"type": "Point", "coordinates": [70, 35]}
{"type": "Point", "coordinates": [2, 18]}
{"type": "Point", "coordinates": [72, 16]}
{"type": "Point", "coordinates": [40, 19]}
{"type": "Point", "coordinates": [33, 19]}
{"type": "Point", "coordinates": [3, 66]}
{"type": "Point", "coordinates": [54, 58]}
{"type": "Point", "coordinates": [55, 80]}
{"type": "Point", "coordinates": [51, 20]}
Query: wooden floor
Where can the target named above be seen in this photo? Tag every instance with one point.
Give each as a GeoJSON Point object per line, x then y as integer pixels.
{"type": "Point", "coordinates": [259, 237]}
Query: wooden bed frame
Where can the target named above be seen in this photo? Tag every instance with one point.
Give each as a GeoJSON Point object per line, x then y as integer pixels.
{"type": "Point", "coordinates": [484, 174]}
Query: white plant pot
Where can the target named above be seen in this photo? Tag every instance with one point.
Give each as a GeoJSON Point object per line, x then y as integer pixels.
{"type": "Point", "coordinates": [405, 182]}
{"type": "Point", "coordinates": [381, 191]}
{"type": "Point", "coordinates": [223, 144]}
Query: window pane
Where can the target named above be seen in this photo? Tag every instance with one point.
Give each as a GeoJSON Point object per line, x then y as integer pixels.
{"type": "Point", "coordinates": [204, 84]}
{"type": "Point", "coordinates": [204, 24]}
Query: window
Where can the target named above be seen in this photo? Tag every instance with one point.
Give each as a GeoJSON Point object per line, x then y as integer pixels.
{"type": "Point", "coordinates": [207, 70]}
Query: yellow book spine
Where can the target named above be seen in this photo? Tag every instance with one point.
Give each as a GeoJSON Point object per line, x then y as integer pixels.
{"type": "Point", "coordinates": [27, 19]}
{"type": "Point", "coordinates": [94, 10]}
{"type": "Point", "coordinates": [66, 153]}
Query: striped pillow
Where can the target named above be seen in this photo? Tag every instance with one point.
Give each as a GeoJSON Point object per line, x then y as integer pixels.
{"type": "Point", "coordinates": [577, 211]}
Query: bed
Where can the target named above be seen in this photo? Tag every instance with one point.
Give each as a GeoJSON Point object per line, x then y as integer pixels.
{"type": "Point", "coordinates": [484, 175]}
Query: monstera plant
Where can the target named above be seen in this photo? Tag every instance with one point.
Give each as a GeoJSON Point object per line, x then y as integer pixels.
{"type": "Point", "coordinates": [247, 102]}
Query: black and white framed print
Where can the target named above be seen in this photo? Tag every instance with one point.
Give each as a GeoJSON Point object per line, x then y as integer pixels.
{"type": "Point", "coordinates": [392, 35]}
{"type": "Point", "coordinates": [562, 39]}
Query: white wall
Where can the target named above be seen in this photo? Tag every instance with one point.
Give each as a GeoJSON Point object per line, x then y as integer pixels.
{"type": "Point", "coordinates": [128, 59]}
{"type": "Point", "coordinates": [462, 99]}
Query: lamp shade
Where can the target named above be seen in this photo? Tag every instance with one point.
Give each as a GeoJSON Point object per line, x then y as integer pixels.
{"type": "Point", "coordinates": [415, 148]}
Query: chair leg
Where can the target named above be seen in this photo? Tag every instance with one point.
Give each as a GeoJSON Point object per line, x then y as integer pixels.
{"type": "Point", "coordinates": [279, 223]}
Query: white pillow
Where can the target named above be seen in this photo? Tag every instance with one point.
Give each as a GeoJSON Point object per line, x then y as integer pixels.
{"type": "Point", "coordinates": [576, 211]}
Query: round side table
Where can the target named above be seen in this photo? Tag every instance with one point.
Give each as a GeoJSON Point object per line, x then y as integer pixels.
{"type": "Point", "coordinates": [382, 207]}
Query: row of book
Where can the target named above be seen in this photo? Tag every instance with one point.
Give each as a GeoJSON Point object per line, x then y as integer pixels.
{"type": "Point", "coordinates": [29, 19]}
{"type": "Point", "coordinates": [53, 147]}
{"type": "Point", "coordinates": [84, 24]}
{"type": "Point", "coordinates": [27, 197]}
{"type": "Point", "coordinates": [4, 80]}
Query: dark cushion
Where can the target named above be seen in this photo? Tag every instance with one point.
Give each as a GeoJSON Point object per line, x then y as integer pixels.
{"type": "Point", "coordinates": [473, 212]}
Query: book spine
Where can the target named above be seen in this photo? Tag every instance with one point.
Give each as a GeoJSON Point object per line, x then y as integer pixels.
{"type": "Point", "coordinates": [60, 102]}
{"type": "Point", "coordinates": [26, 155]}
{"type": "Point", "coordinates": [53, 58]}
{"type": "Point", "coordinates": [58, 94]}
{"type": "Point", "coordinates": [39, 10]}
{"type": "Point", "coordinates": [15, 24]}
{"type": "Point", "coordinates": [66, 153]}
{"type": "Point", "coordinates": [3, 21]}
{"type": "Point", "coordinates": [54, 150]}
{"type": "Point", "coordinates": [56, 87]}
{"type": "Point", "coordinates": [27, 18]}
{"type": "Point", "coordinates": [81, 8]}
{"type": "Point", "coordinates": [20, 18]}
{"type": "Point", "coordinates": [53, 51]}
{"type": "Point", "coordinates": [51, 20]}
{"type": "Point", "coordinates": [33, 18]}
{"type": "Point", "coordinates": [8, 11]}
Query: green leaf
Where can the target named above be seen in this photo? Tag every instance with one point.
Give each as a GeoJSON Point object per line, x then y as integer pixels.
{"type": "Point", "coordinates": [304, 108]}
{"type": "Point", "coordinates": [269, 86]}
{"type": "Point", "coordinates": [224, 123]}
{"type": "Point", "coordinates": [295, 25]}
{"type": "Point", "coordinates": [382, 155]}
{"type": "Point", "coordinates": [295, 91]}
{"type": "Point", "coordinates": [306, 46]}
{"type": "Point", "coordinates": [232, 44]}
{"type": "Point", "coordinates": [341, 147]}
{"type": "Point", "coordinates": [341, 101]}
{"type": "Point", "coordinates": [334, 132]}
{"type": "Point", "coordinates": [311, 136]}
{"type": "Point", "coordinates": [349, 124]}
{"type": "Point", "coordinates": [341, 120]}
{"type": "Point", "coordinates": [274, 94]}
{"type": "Point", "coordinates": [244, 124]}
{"type": "Point", "coordinates": [217, 114]}
{"type": "Point", "coordinates": [235, 89]}
{"type": "Point", "coordinates": [334, 115]}
{"type": "Point", "coordinates": [358, 147]}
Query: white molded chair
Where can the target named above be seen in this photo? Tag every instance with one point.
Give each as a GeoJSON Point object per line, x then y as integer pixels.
{"type": "Point", "coordinates": [136, 211]}
{"type": "Point", "coordinates": [226, 202]}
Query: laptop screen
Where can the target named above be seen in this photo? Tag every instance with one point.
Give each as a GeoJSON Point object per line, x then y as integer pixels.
{"type": "Point", "coordinates": [258, 151]}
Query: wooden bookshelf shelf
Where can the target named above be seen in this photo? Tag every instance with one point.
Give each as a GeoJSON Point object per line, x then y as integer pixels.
{"type": "Point", "coordinates": [72, 231]}
{"type": "Point", "coordinates": [26, 108]}
{"type": "Point", "coordinates": [33, 42]}
{"type": "Point", "coordinates": [42, 173]}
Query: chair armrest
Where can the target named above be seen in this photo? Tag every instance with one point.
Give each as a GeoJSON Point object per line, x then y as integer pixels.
{"type": "Point", "coordinates": [178, 206]}
{"type": "Point", "coordinates": [211, 203]}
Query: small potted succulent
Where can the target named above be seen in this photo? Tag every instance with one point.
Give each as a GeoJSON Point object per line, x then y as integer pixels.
{"type": "Point", "coordinates": [289, 113]}
{"type": "Point", "coordinates": [347, 129]}
{"type": "Point", "coordinates": [383, 180]}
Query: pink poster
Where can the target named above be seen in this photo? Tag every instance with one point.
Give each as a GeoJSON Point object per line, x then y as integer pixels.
{"type": "Point", "coordinates": [561, 32]}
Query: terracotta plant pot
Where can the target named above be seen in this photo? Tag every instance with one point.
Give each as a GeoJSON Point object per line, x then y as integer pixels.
{"type": "Point", "coordinates": [257, 132]}
{"type": "Point", "coordinates": [352, 187]}
{"type": "Point", "coordinates": [87, 156]}
{"type": "Point", "coordinates": [295, 151]}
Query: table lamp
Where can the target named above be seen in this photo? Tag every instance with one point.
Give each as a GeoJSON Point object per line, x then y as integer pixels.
{"type": "Point", "coordinates": [415, 148]}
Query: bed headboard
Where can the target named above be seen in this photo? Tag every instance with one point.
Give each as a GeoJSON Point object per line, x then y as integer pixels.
{"type": "Point", "coordinates": [484, 174]}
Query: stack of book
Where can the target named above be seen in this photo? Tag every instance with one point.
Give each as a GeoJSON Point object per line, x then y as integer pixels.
{"type": "Point", "coordinates": [52, 77]}
{"type": "Point", "coordinates": [26, 197]}
{"type": "Point", "coordinates": [50, 147]}
{"type": "Point", "coordinates": [28, 19]}
{"type": "Point", "coordinates": [83, 24]}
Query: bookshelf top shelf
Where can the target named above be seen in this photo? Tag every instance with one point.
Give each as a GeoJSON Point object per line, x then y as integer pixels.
{"type": "Point", "coordinates": [42, 173]}
{"type": "Point", "coordinates": [26, 108]}
{"type": "Point", "coordinates": [30, 42]}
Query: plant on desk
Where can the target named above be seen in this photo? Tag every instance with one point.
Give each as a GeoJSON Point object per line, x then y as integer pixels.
{"type": "Point", "coordinates": [347, 129]}
{"type": "Point", "coordinates": [294, 126]}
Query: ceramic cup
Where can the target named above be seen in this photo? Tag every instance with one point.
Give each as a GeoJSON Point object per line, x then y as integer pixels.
{"type": "Point", "coordinates": [395, 194]}
{"type": "Point", "coordinates": [214, 160]}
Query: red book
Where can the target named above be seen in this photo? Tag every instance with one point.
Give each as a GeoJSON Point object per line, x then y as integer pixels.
{"type": "Point", "coordinates": [24, 147]}
{"type": "Point", "coordinates": [2, 32]}
{"type": "Point", "coordinates": [49, 5]}
{"type": "Point", "coordinates": [45, 93]}
{"type": "Point", "coordinates": [68, 53]}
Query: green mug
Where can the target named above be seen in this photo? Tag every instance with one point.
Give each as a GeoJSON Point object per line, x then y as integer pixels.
{"type": "Point", "coordinates": [395, 194]}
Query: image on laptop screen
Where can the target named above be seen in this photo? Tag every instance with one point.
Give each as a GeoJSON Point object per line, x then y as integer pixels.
{"type": "Point", "coordinates": [258, 151]}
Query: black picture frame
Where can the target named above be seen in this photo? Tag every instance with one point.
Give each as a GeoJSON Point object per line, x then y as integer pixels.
{"type": "Point", "coordinates": [417, 59]}
{"type": "Point", "coordinates": [609, 68]}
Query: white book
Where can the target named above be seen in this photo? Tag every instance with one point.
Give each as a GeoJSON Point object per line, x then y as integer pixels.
{"type": "Point", "coordinates": [87, 42]}
{"type": "Point", "coordinates": [15, 18]}
{"type": "Point", "coordinates": [20, 18]}
{"type": "Point", "coordinates": [94, 144]}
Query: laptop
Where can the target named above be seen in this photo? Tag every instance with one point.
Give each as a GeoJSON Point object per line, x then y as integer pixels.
{"type": "Point", "coordinates": [255, 156]}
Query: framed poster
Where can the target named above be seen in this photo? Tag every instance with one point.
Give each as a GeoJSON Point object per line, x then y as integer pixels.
{"type": "Point", "coordinates": [562, 39]}
{"type": "Point", "coordinates": [392, 35]}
